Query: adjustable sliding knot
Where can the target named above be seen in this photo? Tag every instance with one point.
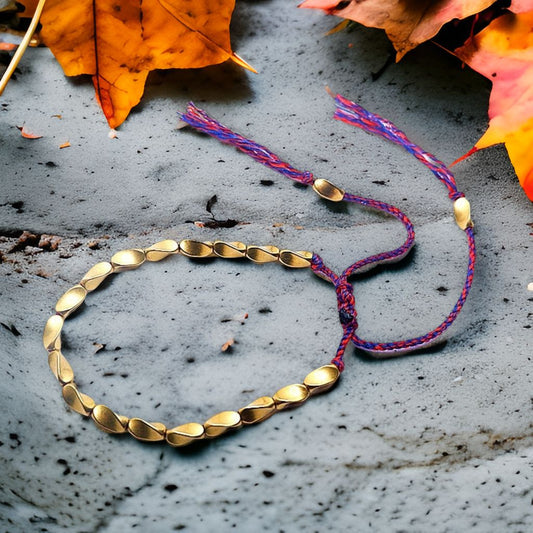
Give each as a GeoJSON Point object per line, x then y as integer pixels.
{"type": "Point", "coordinates": [346, 303]}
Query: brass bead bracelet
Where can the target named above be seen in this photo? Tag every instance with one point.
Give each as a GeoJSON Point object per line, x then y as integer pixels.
{"type": "Point", "coordinates": [319, 380]}
{"type": "Point", "coordinates": [106, 419]}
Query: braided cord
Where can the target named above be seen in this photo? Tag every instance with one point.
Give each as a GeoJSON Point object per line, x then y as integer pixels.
{"type": "Point", "coordinates": [354, 114]}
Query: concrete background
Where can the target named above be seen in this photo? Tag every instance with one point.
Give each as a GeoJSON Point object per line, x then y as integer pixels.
{"type": "Point", "coordinates": [439, 441]}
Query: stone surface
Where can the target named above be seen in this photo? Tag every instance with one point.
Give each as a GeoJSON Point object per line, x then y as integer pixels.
{"type": "Point", "coordinates": [439, 441]}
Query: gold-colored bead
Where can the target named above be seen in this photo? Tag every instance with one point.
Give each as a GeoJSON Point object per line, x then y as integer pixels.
{"type": "Point", "coordinates": [52, 333]}
{"type": "Point", "coordinates": [222, 422]}
{"type": "Point", "coordinates": [328, 191]}
{"type": "Point", "coordinates": [146, 431]}
{"type": "Point", "coordinates": [461, 210]}
{"type": "Point", "coordinates": [71, 300]}
{"type": "Point", "coordinates": [262, 254]}
{"type": "Point", "coordinates": [60, 367]}
{"type": "Point", "coordinates": [161, 249]}
{"type": "Point", "coordinates": [127, 259]}
{"type": "Point", "coordinates": [258, 410]}
{"type": "Point", "coordinates": [81, 403]}
{"type": "Point", "coordinates": [185, 434]}
{"type": "Point", "coordinates": [229, 250]}
{"type": "Point", "coordinates": [96, 275]}
{"type": "Point", "coordinates": [291, 396]}
{"type": "Point", "coordinates": [321, 379]}
{"type": "Point", "coordinates": [292, 259]}
{"type": "Point", "coordinates": [196, 249]}
{"type": "Point", "coordinates": [107, 420]}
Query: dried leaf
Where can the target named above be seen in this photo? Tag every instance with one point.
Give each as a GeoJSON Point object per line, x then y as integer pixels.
{"type": "Point", "coordinates": [407, 23]}
{"type": "Point", "coordinates": [503, 52]}
{"type": "Point", "coordinates": [27, 134]}
{"type": "Point", "coordinates": [7, 47]}
{"type": "Point", "coordinates": [119, 43]}
{"type": "Point", "coordinates": [227, 345]}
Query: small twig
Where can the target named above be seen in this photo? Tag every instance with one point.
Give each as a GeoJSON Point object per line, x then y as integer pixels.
{"type": "Point", "coordinates": [22, 47]}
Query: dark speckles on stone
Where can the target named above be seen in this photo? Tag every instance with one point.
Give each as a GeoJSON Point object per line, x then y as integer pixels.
{"type": "Point", "coordinates": [266, 183]}
{"type": "Point", "coordinates": [268, 473]}
{"type": "Point", "coordinates": [265, 310]}
{"type": "Point", "coordinates": [170, 487]}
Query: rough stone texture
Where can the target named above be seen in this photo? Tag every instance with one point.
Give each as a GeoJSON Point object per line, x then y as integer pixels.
{"type": "Point", "coordinates": [439, 441]}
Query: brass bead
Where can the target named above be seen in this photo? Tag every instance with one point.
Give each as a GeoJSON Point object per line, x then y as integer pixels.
{"type": "Point", "coordinates": [185, 434]}
{"type": "Point", "coordinates": [146, 431]}
{"type": "Point", "coordinates": [327, 190]}
{"type": "Point", "coordinates": [222, 422]}
{"type": "Point", "coordinates": [258, 410]}
{"type": "Point", "coordinates": [161, 249]}
{"type": "Point", "coordinates": [96, 275]}
{"type": "Point", "coordinates": [196, 249]}
{"type": "Point", "coordinates": [292, 259]}
{"type": "Point", "coordinates": [52, 333]}
{"type": "Point", "coordinates": [71, 300]}
{"type": "Point", "coordinates": [321, 379]}
{"type": "Point", "coordinates": [127, 259]}
{"type": "Point", "coordinates": [107, 420]}
{"type": "Point", "coordinates": [461, 210]}
{"type": "Point", "coordinates": [81, 403]}
{"type": "Point", "coordinates": [60, 367]}
{"type": "Point", "coordinates": [229, 250]}
{"type": "Point", "coordinates": [262, 254]}
{"type": "Point", "coordinates": [291, 396]}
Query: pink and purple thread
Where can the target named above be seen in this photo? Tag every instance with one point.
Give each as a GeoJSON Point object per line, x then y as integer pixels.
{"type": "Point", "coordinates": [354, 114]}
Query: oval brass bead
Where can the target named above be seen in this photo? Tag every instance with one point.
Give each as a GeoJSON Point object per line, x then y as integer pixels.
{"type": "Point", "coordinates": [146, 431]}
{"type": "Point", "coordinates": [291, 396]}
{"type": "Point", "coordinates": [196, 249]}
{"type": "Point", "coordinates": [71, 300]}
{"type": "Point", "coordinates": [222, 422]}
{"type": "Point", "coordinates": [461, 211]}
{"type": "Point", "coordinates": [161, 249]}
{"type": "Point", "coordinates": [127, 259]}
{"type": "Point", "coordinates": [262, 254]}
{"type": "Point", "coordinates": [327, 190]}
{"type": "Point", "coordinates": [258, 410]}
{"type": "Point", "coordinates": [229, 250]}
{"type": "Point", "coordinates": [52, 333]}
{"type": "Point", "coordinates": [321, 379]}
{"type": "Point", "coordinates": [60, 367]}
{"type": "Point", "coordinates": [107, 420]}
{"type": "Point", "coordinates": [292, 259]}
{"type": "Point", "coordinates": [81, 403]}
{"type": "Point", "coordinates": [96, 275]}
{"type": "Point", "coordinates": [185, 434]}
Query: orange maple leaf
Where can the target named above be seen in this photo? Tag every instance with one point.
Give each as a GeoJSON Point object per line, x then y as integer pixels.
{"type": "Point", "coordinates": [503, 53]}
{"type": "Point", "coordinates": [407, 23]}
{"type": "Point", "coordinates": [119, 43]}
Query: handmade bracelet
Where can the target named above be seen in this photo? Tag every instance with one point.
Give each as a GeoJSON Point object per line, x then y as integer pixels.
{"type": "Point", "coordinates": [320, 379]}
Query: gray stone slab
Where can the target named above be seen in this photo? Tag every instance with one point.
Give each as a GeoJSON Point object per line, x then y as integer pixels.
{"type": "Point", "coordinates": [437, 441]}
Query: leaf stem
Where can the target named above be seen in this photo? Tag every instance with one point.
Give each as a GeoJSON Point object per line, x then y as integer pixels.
{"type": "Point", "coordinates": [22, 46]}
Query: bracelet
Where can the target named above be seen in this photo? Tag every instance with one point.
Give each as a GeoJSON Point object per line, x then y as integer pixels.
{"type": "Point", "coordinates": [320, 379]}
{"type": "Point", "coordinates": [317, 381]}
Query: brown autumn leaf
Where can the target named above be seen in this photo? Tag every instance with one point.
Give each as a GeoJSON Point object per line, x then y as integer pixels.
{"type": "Point", "coordinates": [119, 43]}
{"type": "Point", "coordinates": [406, 22]}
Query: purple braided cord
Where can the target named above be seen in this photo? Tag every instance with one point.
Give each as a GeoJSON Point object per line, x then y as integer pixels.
{"type": "Point", "coordinates": [354, 114]}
